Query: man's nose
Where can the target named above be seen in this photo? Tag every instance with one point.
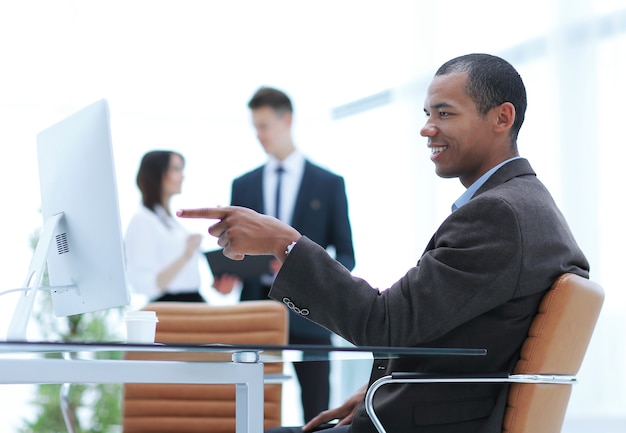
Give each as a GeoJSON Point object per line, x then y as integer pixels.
{"type": "Point", "coordinates": [428, 130]}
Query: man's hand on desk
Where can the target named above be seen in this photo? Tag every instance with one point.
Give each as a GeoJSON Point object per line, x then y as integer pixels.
{"type": "Point", "coordinates": [344, 413]}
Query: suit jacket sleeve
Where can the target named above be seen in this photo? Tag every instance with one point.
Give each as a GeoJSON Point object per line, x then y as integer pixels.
{"type": "Point", "coordinates": [466, 270]}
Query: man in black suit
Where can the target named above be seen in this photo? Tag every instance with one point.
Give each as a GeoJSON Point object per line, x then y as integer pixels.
{"type": "Point", "coordinates": [478, 282]}
{"type": "Point", "coordinates": [311, 199]}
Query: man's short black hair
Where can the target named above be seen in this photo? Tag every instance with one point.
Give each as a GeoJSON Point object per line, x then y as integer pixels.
{"type": "Point", "coordinates": [491, 81]}
{"type": "Point", "coordinates": [271, 97]}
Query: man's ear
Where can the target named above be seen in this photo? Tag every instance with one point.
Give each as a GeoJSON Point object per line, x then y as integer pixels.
{"type": "Point", "coordinates": [287, 118]}
{"type": "Point", "coordinates": [505, 116]}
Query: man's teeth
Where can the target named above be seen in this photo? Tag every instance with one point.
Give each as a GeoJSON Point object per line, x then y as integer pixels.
{"type": "Point", "coordinates": [435, 150]}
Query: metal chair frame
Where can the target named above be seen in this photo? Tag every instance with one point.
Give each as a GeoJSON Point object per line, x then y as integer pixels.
{"type": "Point", "coordinates": [555, 379]}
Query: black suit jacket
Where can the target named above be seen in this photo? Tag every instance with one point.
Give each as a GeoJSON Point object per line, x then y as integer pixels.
{"type": "Point", "coordinates": [320, 213]}
{"type": "Point", "coordinates": [477, 284]}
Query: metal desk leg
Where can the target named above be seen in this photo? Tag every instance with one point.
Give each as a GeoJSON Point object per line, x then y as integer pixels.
{"type": "Point", "coordinates": [246, 372]}
{"type": "Point", "coordinates": [64, 395]}
{"type": "Point", "coordinates": [68, 415]}
{"type": "Point", "coordinates": [249, 395]}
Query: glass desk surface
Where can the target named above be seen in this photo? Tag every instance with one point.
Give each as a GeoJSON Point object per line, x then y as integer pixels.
{"type": "Point", "coordinates": [265, 353]}
{"type": "Point", "coordinates": [29, 362]}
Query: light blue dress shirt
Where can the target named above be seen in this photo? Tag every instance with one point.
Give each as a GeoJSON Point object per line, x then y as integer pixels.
{"type": "Point", "coordinates": [469, 192]}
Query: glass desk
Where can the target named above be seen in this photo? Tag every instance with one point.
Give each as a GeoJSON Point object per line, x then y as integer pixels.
{"type": "Point", "coordinates": [241, 365]}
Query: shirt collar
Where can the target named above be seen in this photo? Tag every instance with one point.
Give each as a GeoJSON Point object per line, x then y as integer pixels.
{"type": "Point", "coordinates": [293, 162]}
{"type": "Point", "coordinates": [469, 192]}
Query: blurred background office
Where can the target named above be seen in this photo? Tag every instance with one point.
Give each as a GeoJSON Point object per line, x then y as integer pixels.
{"type": "Point", "coordinates": [181, 72]}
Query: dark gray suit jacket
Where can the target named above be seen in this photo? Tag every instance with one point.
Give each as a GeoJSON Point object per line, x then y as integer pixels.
{"type": "Point", "coordinates": [320, 213]}
{"type": "Point", "coordinates": [477, 284]}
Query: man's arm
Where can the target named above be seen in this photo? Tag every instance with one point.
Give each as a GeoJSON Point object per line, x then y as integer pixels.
{"type": "Point", "coordinates": [469, 268]}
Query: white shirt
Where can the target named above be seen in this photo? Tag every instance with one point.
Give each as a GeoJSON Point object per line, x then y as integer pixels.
{"type": "Point", "coordinates": [290, 184]}
{"type": "Point", "coordinates": [152, 242]}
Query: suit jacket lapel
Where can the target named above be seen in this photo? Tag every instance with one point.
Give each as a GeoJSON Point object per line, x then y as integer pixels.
{"type": "Point", "coordinates": [305, 195]}
{"type": "Point", "coordinates": [255, 192]}
{"type": "Point", "coordinates": [518, 167]}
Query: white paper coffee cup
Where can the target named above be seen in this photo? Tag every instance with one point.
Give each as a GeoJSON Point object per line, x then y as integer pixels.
{"type": "Point", "coordinates": [140, 326]}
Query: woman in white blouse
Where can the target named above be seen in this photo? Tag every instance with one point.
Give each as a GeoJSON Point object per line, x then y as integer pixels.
{"type": "Point", "coordinates": [162, 257]}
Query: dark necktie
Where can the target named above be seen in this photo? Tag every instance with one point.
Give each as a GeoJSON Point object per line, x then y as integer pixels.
{"type": "Point", "coordinates": [279, 174]}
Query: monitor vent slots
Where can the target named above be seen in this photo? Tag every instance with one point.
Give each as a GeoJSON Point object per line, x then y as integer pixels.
{"type": "Point", "coordinates": [62, 246]}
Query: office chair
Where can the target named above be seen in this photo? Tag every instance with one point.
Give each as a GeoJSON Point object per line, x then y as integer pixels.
{"type": "Point", "coordinates": [180, 408]}
{"type": "Point", "coordinates": [550, 357]}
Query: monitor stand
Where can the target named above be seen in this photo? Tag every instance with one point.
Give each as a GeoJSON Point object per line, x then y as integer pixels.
{"type": "Point", "coordinates": [34, 278]}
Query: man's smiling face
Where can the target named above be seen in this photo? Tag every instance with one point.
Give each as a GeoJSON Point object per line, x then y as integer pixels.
{"type": "Point", "coordinates": [460, 139]}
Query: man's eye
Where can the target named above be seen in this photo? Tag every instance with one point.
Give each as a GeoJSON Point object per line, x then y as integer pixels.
{"type": "Point", "coordinates": [443, 114]}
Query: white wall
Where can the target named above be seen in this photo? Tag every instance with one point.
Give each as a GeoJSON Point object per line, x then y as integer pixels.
{"type": "Point", "coordinates": [179, 74]}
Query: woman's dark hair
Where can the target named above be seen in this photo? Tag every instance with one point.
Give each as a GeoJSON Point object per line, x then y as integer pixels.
{"type": "Point", "coordinates": [152, 169]}
{"type": "Point", "coordinates": [491, 81]}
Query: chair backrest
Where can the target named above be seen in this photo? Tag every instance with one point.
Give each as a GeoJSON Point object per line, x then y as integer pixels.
{"type": "Point", "coordinates": [556, 344]}
{"type": "Point", "coordinates": [201, 408]}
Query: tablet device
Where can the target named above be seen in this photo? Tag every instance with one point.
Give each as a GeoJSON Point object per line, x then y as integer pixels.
{"type": "Point", "coordinates": [249, 267]}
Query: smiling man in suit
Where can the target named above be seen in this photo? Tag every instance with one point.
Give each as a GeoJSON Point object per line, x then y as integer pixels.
{"type": "Point", "coordinates": [307, 197]}
{"type": "Point", "coordinates": [478, 282]}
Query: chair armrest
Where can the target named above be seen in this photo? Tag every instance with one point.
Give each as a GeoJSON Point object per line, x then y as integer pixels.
{"type": "Point", "coordinates": [411, 377]}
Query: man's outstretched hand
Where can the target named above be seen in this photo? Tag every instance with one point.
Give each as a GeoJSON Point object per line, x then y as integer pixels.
{"type": "Point", "coordinates": [242, 231]}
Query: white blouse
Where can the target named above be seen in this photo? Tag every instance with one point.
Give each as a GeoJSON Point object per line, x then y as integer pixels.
{"type": "Point", "coordinates": [152, 242]}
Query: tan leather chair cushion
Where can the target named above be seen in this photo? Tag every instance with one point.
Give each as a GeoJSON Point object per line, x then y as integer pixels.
{"type": "Point", "coordinates": [556, 344]}
{"type": "Point", "coordinates": [158, 408]}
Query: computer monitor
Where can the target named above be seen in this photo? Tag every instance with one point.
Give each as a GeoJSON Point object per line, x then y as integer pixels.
{"type": "Point", "coordinates": [81, 240]}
